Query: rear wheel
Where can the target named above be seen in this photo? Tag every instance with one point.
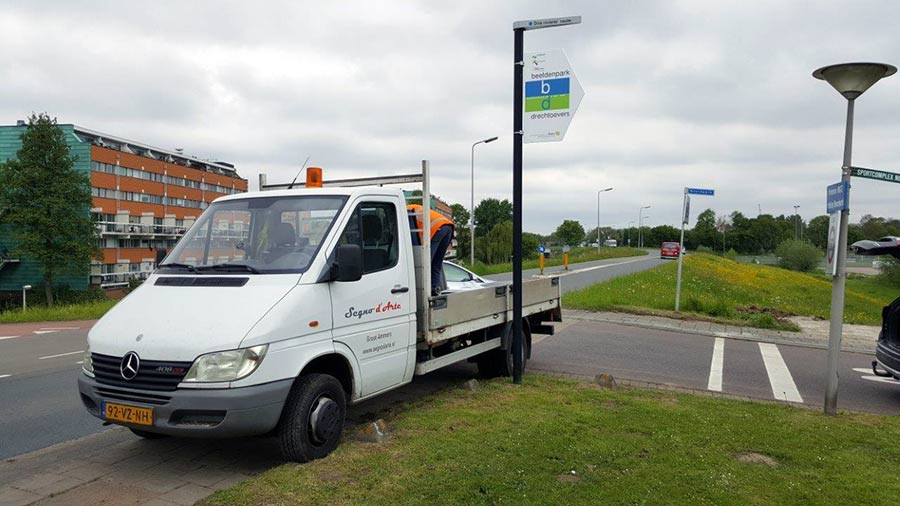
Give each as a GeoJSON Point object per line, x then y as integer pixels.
{"type": "Point", "coordinates": [498, 362]}
{"type": "Point", "coordinates": [146, 434]}
{"type": "Point", "coordinates": [313, 418]}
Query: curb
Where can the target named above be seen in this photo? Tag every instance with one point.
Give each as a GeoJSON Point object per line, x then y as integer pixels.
{"type": "Point", "coordinates": [762, 338]}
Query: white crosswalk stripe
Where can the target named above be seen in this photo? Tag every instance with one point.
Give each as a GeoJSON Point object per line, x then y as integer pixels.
{"type": "Point", "coordinates": [715, 368]}
{"type": "Point", "coordinates": [783, 387]}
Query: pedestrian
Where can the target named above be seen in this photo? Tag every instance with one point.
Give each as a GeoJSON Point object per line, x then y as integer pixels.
{"type": "Point", "coordinates": [441, 236]}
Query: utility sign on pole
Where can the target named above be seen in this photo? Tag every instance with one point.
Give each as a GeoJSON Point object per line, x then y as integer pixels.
{"type": "Point", "coordinates": [552, 95]}
{"type": "Point", "coordinates": [837, 197]}
{"type": "Point", "coordinates": [686, 217]}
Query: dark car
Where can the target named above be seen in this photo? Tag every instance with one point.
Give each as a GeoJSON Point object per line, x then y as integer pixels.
{"type": "Point", "coordinates": [887, 352]}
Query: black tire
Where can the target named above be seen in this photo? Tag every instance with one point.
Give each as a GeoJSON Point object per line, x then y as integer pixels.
{"type": "Point", "coordinates": [498, 362]}
{"type": "Point", "coordinates": [313, 418]}
{"type": "Point", "coordinates": [147, 434]}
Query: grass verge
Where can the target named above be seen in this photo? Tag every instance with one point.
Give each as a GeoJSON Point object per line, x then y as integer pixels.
{"type": "Point", "coordinates": [577, 255]}
{"type": "Point", "coordinates": [732, 292]}
{"type": "Point", "coordinates": [558, 441]}
{"type": "Point", "coordinates": [86, 311]}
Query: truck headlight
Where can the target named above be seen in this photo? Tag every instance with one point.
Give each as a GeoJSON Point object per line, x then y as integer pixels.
{"type": "Point", "coordinates": [223, 366]}
{"type": "Point", "coordinates": [87, 363]}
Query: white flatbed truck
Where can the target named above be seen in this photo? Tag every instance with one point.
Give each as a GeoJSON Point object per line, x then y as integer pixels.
{"type": "Point", "coordinates": [279, 307]}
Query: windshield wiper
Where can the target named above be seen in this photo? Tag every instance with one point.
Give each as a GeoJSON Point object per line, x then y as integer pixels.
{"type": "Point", "coordinates": [173, 265]}
{"type": "Point", "coordinates": [229, 267]}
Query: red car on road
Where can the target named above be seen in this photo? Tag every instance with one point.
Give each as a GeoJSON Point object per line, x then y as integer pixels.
{"type": "Point", "coordinates": [669, 250]}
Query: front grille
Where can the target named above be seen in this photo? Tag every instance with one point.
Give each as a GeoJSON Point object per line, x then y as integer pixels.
{"type": "Point", "coordinates": [129, 396]}
{"type": "Point", "coordinates": [152, 374]}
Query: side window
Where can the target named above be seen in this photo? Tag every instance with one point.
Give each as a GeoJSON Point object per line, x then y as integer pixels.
{"type": "Point", "coordinates": [453, 273]}
{"type": "Point", "coordinates": [373, 227]}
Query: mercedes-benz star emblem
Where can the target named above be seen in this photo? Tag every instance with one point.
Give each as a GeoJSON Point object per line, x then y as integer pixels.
{"type": "Point", "coordinates": [131, 363]}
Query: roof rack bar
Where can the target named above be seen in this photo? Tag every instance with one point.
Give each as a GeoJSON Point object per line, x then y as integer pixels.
{"type": "Point", "coordinates": [360, 181]}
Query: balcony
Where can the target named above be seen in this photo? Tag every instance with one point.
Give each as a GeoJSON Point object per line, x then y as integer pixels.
{"type": "Point", "coordinates": [138, 230]}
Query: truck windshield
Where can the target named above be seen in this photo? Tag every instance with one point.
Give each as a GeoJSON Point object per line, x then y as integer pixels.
{"type": "Point", "coordinates": [263, 235]}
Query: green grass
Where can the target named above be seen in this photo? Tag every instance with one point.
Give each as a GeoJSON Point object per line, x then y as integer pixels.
{"type": "Point", "coordinates": [717, 288]}
{"type": "Point", "coordinates": [86, 311]}
{"type": "Point", "coordinates": [558, 441]}
{"type": "Point", "coordinates": [577, 255]}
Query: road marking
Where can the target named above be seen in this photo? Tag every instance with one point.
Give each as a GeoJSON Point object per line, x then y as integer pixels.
{"type": "Point", "coordinates": [715, 368]}
{"type": "Point", "coordinates": [4, 376]}
{"type": "Point", "coordinates": [61, 355]}
{"type": "Point", "coordinates": [868, 375]}
{"type": "Point", "coordinates": [783, 387]}
{"type": "Point", "coordinates": [8, 337]}
{"type": "Point", "coordinates": [560, 274]}
{"type": "Point", "coordinates": [60, 328]}
{"type": "Point", "coordinates": [39, 332]}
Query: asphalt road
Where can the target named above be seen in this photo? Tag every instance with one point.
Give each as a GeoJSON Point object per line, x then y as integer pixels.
{"type": "Point", "coordinates": [585, 274]}
{"type": "Point", "coordinates": [742, 368]}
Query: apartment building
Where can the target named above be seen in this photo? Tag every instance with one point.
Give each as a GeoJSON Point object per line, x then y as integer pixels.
{"type": "Point", "coordinates": [144, 198]}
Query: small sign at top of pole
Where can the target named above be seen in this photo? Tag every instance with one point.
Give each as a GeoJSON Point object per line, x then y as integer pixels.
{"type": "Point", "coordinates": [700, 191]}
{"type": "Point", "coordinates": [535, 24]}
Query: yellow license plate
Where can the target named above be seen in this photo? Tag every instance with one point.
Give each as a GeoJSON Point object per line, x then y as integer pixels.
{"type": "Point", "coordinates": [129, 414]}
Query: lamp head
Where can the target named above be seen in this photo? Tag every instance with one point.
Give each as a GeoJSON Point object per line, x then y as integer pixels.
{"type": "Point", "coordinates": [492, 139]}
{"type": "Point", "coordinates": [852, 79]}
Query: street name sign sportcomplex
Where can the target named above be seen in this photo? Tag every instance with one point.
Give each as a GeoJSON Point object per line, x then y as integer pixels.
{"type": "Point", "coordinates": [552, 94]}
{"type": "Point", "coordinates": [837, 197]}
{"type": "Point", "coordinates": [880, 175]}
{"type": "Point", "coordinates": [701, 191]}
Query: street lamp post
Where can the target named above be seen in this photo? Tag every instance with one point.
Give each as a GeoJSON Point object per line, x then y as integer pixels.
{"type": "Point", "coordinates": [472, 208]}
{"type": "Point", "coordinates": [641, 226]}
{"type": "Point", "coordinates": [25, 288]}
{"type": "Point", "coordinates": [598, 214]}
{"type": "Point", "coordinates": [796, 222]}
{"type": "Point", "coordinates": [850, 80]}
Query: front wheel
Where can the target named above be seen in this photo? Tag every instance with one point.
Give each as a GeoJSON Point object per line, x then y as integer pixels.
{"type": "Point", "coordinates": [313, 418]}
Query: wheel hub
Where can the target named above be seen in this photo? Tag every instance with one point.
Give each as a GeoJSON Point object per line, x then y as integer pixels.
{"type": "Point", "coordinates": [323, 420]}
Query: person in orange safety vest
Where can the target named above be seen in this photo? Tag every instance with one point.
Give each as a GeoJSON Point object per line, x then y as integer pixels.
{"type": "Point", "coordinates": [441, 235]}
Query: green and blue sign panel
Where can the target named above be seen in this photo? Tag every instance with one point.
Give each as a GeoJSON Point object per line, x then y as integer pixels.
{"type": "Point", "coordinates": [547, 95]}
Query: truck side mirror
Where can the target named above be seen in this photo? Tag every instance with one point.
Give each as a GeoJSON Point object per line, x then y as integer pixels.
{"type": "Point", "coordinates": [348, 262]}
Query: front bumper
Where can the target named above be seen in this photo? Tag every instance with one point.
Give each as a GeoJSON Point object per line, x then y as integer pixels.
{"type": "Point", "coordinates": [888, 357]}
{"type": "Point", "coordinates": [215, 413]}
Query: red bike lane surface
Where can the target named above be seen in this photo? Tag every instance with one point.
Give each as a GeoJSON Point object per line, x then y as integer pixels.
{"type": "Point", "coordinates": [9, 330]}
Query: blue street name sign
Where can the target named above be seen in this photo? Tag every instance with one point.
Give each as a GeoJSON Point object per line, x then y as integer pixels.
{"type": "Point", "coordinates": [837, 197]}
{"type": "Point", "coordinates": [701, 191]}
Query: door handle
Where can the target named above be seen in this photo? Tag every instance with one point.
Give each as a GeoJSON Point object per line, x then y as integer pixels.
{"type": "Point", "coordinates": [400, 289]}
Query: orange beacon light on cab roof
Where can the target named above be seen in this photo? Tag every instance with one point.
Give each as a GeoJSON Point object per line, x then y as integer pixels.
{"type": "Point", "coordinates": [314, 177]}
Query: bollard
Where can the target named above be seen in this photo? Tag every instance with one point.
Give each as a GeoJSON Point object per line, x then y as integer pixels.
{"type": "Point", "coordinates": [566, 260]}
{"type": "Point", "coordinates": [541, 263]}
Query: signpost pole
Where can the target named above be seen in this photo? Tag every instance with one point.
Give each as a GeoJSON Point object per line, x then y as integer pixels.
{"type": "Point", "coordinates": [840, 280]}
{"type": "Point", "coordinates": [684, 220]}
{"type": "Point", "coordinates": [518, 64]}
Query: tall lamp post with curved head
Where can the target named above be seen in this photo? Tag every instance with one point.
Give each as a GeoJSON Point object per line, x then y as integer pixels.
{"type": "Point", "coordinates": [598, 214]}
{"type": "Point", "coordinates": [472, 208]}
{"type": "Point", "coordinates": [850, 80]}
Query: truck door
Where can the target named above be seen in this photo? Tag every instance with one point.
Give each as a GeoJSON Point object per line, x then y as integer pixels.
{"type": "Point", "coordinates": [373, 316]}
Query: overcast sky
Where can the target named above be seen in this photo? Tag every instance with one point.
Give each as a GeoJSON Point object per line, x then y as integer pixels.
{"type": "Point", "coordinates": [710, 94]}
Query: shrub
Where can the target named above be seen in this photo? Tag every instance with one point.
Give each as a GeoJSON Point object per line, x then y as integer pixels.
{"type": "Point", "coordinates": [798, 255]}
{"type": "Point", "coordinates": [731, 255]}
{"type": "Point", "coordinates": [890, 272]}
{"type": "Point", "coordinates": [704, 249]}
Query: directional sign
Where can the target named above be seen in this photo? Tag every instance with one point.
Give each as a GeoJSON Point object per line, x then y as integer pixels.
{"type": "Point", "coordinates": [534, 24]}
{"type": "Point", "coordinates": [834, 237]}
{"type": "Point", "coordinates": [881, 175]}
{"type": "Point", "coordinates": [700, 191]}
{"type": "Point", "coordinates": [837, 197]}
{"type": "Point", "coordinates": [552, 94]}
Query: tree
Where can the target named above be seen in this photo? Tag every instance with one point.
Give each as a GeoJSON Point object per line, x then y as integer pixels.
{"type": "Point", "coordinates": [490, 212]}
{"type": "Point", "coordinates": [817, 231]}
{"type": "Point", "coordinates": [463, 234]}
{"type": "Point", "coordinates": [569, 232]}
{"type": "Point", "coordinates": [497, 246]}
{"type": "Point", "coordinates": [48, 203]}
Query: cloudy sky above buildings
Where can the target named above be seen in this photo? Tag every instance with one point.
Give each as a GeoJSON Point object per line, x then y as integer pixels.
{"type": "Point", "coordinates": [687, 93]}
